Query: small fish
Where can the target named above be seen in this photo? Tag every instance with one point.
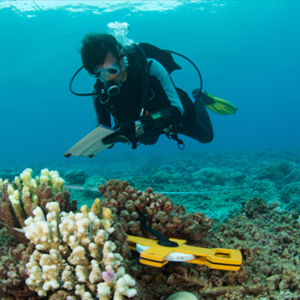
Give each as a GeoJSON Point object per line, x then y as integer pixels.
{"type": "Point", "coordinates": [11, 256]}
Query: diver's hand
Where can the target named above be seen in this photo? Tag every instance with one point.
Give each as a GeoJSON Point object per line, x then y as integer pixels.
{"type": "Point", "coordinates": [125, 133]}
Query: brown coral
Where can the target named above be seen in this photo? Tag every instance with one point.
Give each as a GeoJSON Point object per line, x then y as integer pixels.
{"type": "Point", "coordinates": [13, 258]}
{"type": "Point", "coordinates": [169, 219]}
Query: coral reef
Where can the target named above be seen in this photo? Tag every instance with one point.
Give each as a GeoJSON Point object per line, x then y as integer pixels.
{"type": "Point", "coordinates": [161, 176]}
{"type": "Point", "coordinates": [74, 255]}
{"type": "Point", "coordinates": [92, 182]}
{"type": "Point", "coordinates": [290, 196]}
{"type": "Point", "coordinates": [217, 198]}
{"type": "Point", "coordinates": [13, 258]}
{"type": "Point", "coordinates": [8, 173]}
{"type": "Point", "coordinates": [268, 239]}
{"type": "Point", "coordinates": [213, 176]}
{"type": "Point", "coordinates": [182, 296]}
{"type": "Point", "coordinates": [19, 198]}
{"type": "Point", "coordinates": [269, 242]}
{"type": "Point", "coordinates": [167, 173]}
{"type": "Point", "coordinates": [76, 176]}
{"type": "Point", "coordinates": [254, 207]}
{"type": "Point", "coordinates": [265, 229]}
{"type": "Point", "coordinates": [277, 171]}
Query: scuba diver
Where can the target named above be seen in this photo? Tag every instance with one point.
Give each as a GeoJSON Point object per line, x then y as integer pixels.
{"type": "Point", "coordinates": [133, 85]}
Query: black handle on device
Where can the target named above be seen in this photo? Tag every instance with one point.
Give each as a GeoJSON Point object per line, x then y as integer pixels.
{"type": "Point", "coordinates": [163, 241]}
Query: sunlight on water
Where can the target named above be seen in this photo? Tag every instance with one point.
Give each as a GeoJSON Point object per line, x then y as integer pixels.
{"type": "Point", "coordinates": [98, 7]}
{"type": "Point", "coordinates": [23, 6]}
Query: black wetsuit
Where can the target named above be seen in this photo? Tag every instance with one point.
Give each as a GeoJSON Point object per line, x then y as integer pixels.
{"type": "Point", "coordinates": [181, 115]}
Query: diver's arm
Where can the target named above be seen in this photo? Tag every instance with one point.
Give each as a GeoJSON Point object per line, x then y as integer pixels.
{"type": "Point", "coordinates": [168, 115]}
{"type": "Point", "coordinates": [163, 76]}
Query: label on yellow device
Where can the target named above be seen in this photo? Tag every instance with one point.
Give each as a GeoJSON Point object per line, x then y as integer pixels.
{"type": "Point", "coordinates": [173, 256]}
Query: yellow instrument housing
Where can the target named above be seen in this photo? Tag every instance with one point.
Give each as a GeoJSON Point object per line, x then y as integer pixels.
{"type": "Point", "coordinates": [216, 258]}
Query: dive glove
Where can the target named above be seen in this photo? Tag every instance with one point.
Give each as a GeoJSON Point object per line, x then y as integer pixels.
{"type": "Point", "coordinates": [129, 132]}
{"type": "Point", "coordinates": [125, 133]}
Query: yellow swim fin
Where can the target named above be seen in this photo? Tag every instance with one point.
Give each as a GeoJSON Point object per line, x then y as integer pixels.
{"type": "Point", "coordinates": [215, 104]}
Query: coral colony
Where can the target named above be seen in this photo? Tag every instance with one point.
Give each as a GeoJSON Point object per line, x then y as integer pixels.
{"type": "Point", "coordinates": [51, 250]}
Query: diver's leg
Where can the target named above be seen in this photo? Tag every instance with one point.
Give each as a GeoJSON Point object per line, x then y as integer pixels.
{"type": "Point", "coordinates": [201, 128]}
{"type": "Point", "coordinates": [203, 116]}
{"type": "Point", "coordinates": [198, 131]}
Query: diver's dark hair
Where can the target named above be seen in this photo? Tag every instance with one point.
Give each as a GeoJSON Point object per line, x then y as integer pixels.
{"type": "Point", "coordinates": [95, 47]}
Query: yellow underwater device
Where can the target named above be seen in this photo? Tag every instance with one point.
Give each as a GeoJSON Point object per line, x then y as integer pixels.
{"type": "Point", "coordinates": [157, 253]}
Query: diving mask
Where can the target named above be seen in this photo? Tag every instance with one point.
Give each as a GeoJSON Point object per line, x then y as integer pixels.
{"type": "Point", "coordinates": [104, 73]}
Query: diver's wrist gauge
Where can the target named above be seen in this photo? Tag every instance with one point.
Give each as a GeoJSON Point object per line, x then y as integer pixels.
{"type": "Point", "coordinates": [139, 129]}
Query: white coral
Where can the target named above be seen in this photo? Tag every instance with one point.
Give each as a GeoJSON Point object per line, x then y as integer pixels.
{"type": "Point", "coordinates": [123, 287]}
{"type": "Point", "coordinates": [78, 253]}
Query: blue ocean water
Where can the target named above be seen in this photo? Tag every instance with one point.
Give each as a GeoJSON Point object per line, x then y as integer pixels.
{"type": "Point", "coordinates": [247, 52]}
